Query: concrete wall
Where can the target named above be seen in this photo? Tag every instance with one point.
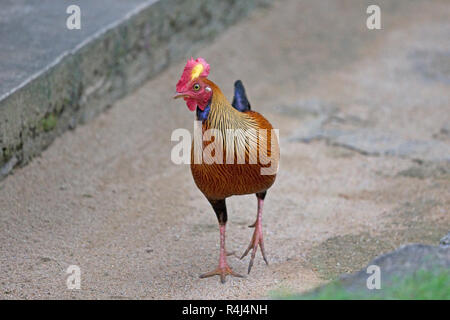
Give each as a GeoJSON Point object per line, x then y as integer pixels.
{"type": "Point", "coordinates": [104, 68]}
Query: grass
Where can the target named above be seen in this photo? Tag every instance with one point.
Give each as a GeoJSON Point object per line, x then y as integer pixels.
{"type": "Point", "coordinates": [49, 122]}
{"type": "Point", "coordinates": [422, 285]}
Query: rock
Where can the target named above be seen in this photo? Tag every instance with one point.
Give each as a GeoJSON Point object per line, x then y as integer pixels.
{"type": "Point", "coordinates": [428, 170]}
{"type": "Point", "coordinates": [374, 142]}
{"type": "Point", "coordinates": [8, 166]}
{"type": "Point", "coordinates": [432, 65]}
{"type": "Point", "coordinates": [395, 265]}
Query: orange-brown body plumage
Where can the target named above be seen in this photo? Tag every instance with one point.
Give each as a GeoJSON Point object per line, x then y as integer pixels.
{"type": "Point", "coordinates": [222, 180]}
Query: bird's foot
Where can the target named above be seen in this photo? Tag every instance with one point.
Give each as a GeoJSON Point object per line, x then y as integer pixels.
{"type": "Point", "coordinates": [257, 240]}
{"type": "Point", "coordinates": [221, 271]}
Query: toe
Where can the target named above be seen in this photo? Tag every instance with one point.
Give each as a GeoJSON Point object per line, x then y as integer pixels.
{"type": "Point", "coordinates": [238, 275]}
{"type": "Point", "coordinates": [246, 251]}
{"type": "Point", "coordinates": [209, 274]}
{"type": "Point", "coordinates": [252, 258]}
{"type": "Point", "coordinates": [263, 252]}
{"type": "Point", "coordinates": [222, 272]}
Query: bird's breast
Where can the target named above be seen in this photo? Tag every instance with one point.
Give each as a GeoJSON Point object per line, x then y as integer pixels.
{"type": "Point", "coordinates": [230, 162]}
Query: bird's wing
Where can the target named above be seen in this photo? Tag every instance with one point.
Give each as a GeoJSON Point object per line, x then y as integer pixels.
{"type": "Point", "coordinates": [240, 101]}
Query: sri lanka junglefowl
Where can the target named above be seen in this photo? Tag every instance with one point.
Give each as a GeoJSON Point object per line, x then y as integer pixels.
{"type": "Point", "coordinates": [238, 153]}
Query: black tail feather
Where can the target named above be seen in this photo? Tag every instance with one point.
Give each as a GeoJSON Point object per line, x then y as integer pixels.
{"type": "Point", "coordinates": [240, 101]}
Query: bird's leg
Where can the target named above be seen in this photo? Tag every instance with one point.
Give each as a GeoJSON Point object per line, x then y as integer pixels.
{"type": "Point", "coordinates": [257, 238]}
{"type": "Point", "coordinates": [223, 269]}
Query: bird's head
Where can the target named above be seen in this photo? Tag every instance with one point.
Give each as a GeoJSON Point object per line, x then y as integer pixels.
{"type": "Point", "coordinates": [193, 86]}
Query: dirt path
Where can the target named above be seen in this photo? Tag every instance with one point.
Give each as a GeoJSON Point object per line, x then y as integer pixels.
{"type": "Point", "coordinates": [364, 122]}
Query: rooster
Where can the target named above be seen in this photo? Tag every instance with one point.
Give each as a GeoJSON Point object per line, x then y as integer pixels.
{"type": "Point", "coordinates": [220, 179]}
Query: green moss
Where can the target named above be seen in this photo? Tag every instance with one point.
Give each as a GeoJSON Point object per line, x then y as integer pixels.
{"type": "Point", "coordinates": [422, 285]}
{"type": "Point", "coordinates": [66, 101]}
{"type": "Point", "coordinates": [49, 122]}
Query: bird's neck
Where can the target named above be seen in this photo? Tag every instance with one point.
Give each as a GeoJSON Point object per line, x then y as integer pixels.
{"type": "Point", "coordinates": [220, 114]}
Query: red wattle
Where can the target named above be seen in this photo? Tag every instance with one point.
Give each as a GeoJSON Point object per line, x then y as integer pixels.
{"type": "Point", "coordinates": [191, 104]}
{"type": "Point", "coordinates": [201, 107]}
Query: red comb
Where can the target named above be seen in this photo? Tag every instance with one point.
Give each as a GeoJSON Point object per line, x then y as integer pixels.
{"type": "Point", "coordinates": [193, 69]}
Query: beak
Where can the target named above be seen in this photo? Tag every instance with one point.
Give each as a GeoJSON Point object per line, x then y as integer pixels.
{"type": "Point", "coordinates": [180, 95]}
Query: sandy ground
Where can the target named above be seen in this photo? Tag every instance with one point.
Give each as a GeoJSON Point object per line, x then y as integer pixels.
{"type": "Point", "coordinates": [364, 120]}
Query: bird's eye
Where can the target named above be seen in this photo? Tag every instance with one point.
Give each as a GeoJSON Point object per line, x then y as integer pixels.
{"type": "Point", "coordinates": [196, 87]}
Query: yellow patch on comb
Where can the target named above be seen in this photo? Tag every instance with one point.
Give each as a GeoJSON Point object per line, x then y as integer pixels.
{"type": "Point", "coordinates": [197, 71]}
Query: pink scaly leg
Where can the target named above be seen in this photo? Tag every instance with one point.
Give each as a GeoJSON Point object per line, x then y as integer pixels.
{"type": "Point", "coordinates": [257, 238]}
{"type": "Point", "coordinates": [223, 269]}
